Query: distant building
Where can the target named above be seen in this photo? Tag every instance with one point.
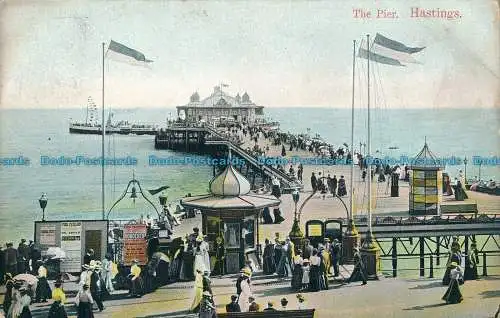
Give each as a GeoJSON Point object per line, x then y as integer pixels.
{"type": "Point", "coordinates": [220, 106]}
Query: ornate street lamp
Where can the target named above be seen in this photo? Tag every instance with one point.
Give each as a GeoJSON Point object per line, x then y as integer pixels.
{"type": "Point", "coordinates": [296, 232]}
{"type": "Point", "coordinates": [465, 164]}
{"type": "Point", "coordinates": [43, 204]}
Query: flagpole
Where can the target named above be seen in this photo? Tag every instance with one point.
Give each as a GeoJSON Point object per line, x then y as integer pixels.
{"type": "Point", "coordinates": [352, 130]}
{"type": "Point", "coordinates": [369, 145]}
{"type": "Point", "coordinates": [103, 130]}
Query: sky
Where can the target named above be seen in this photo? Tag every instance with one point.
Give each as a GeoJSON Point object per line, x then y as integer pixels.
{"type": "Point", "coordinates": [282, 53]}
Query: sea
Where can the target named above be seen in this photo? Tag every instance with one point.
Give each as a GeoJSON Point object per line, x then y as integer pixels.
{"type": "Point", "coordinates": [74, 191]}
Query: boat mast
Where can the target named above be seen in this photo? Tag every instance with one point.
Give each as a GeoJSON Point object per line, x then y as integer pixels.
{"type": "Point", "coordinates": [352, 132]}
{"type": "Point", "coordinates": [103, 131]}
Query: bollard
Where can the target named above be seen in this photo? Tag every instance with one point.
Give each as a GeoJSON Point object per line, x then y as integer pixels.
{"type": "Point", "coordinates": [431, 268]}
{"type": "Point", "coordinates": [485, 273]}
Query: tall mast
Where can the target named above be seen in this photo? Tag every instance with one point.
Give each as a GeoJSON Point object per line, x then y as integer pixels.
{"type": "Point", "coordinates": [103, 130]}
{"type": "Point", "coordinates": [369, 145]}
{"type": "Point", "coordinates": [352, 131]}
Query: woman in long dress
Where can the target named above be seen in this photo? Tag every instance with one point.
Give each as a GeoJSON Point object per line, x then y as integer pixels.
{"type": "Point", "coordinates": [107, 269]}
{"type": "Point", "coordinates": [453, 294]}
{"type": "Point", "coordinates": [57, 309]}
{"type": "Point", "coordinates": [342, 187]}
{"type": "Point", "coordinates": [205, 247]}
{"type": "Point", "coordinates": [246, 292]}
{"type": "Point", "coordinates": [315, 274]}
{"type": "Point", "coordinates": [455, 257]}
{"type": "Point", "coordinates": [43, 290]}
{"type": "Point", "coordinates": [471, 261]}
{"type": "Point", "coordinates": [197, 292]}
{"type": "Point", "coordinates": [199, 259]}
{"type": "Point", "coordinates": [297, 272]}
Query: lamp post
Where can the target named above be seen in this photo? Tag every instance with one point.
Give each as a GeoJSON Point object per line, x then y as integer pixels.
{"type": "Point", "coordinates": [163, 203]}
{"type": "Point", "coordinates": [465, 164]}
{"type": "Point", "coordinates": [43, 204]}
{"type": "Point", "coordinates": [296, 235]}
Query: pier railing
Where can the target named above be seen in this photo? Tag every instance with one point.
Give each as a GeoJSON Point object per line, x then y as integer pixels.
{"type": "Point", "coordinates": [250, 158]}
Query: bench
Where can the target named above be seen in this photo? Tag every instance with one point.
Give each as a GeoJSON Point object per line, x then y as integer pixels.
{"type": "Point", "coordinates": [299, 313]}
{"type": "Point", "coordinates": [469, 208]}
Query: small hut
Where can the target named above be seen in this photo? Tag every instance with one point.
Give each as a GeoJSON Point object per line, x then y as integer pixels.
{"type": "Point", "coordinates": [426, 183]}
{"type": "Point", "coordinates": [232, 213]}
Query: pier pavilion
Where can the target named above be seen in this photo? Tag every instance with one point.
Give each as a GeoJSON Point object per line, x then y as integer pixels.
{"type": "Point", "coordinates": [220, 106]}
{"type": "Point", "coordinates": [232, 213]}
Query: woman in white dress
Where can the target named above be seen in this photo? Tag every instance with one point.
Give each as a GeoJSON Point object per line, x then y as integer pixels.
{"type": "Point", "coordinates": [204, 252]}
{"type": "Point", "coordinates": [199, 260]}
{"type": "Point", "coordinates": [246, 292]}
{"type": "Point", "coordinates": [107, 272]}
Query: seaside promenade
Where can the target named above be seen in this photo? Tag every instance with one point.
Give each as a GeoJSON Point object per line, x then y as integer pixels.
{"type": "Point", "coordinates": [405, 296]}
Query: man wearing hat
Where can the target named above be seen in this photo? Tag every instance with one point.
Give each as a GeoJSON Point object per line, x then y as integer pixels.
{"type": "Point", "coordinates": [89, 256]}
{"type": "Point", "coordinates": [11, 259]}
{"type": "Point", "coordinates": [270, 306]}
{"type": "Point", "coordinates": [284, 303]}
{"type": "Point", "coordinates": [335, 255]}
{"type": "Point", "coordinates": [253, 305]}
{"type": "Point", "coordinates": [233, 306]}
{"type": "Point", "coordinates": [23, 257]}
{"type": "Point", "coordinates": [95, 284]}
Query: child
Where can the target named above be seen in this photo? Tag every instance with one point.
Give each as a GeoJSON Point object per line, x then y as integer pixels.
{"type": "Point", "coordinates": [305, 274]}
{"type": "Point", "coordinates": [57, 309]}
{"type": "Point", "coordinates": [84, 302]}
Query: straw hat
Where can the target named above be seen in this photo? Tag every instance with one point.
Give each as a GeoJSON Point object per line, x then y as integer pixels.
{"type": "Point", "coordinates": [454, 264]}
{"type": "Point", "coordinates": [246, 271]}
{"type": "Point", "coordinates": [207, 294]}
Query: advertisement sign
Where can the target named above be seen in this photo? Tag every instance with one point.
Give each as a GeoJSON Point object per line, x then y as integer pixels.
{"type": "Point", "coordinates": [134, 237]}
{"type": "Point", "coordinates": [71, 244]}
{"type": "Point", "coordinates": [48, 235]}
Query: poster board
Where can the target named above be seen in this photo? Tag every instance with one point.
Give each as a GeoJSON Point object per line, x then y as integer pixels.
{"type": "Point", "coordinates": [71, 243]}
{"type": "Point", "coordinates": [135, 244]}
{"type": "Point", "coordinates": [70, 236]}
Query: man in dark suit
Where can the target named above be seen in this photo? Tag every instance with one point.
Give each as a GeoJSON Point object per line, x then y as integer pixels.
{"type": "Point", "coordinates": [233, 306]}
{"type": "Point", "coordinates": [270, 307]}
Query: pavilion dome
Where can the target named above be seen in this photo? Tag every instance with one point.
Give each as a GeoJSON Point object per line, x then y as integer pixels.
{"type": "Point", "coordinates": [229, 183]}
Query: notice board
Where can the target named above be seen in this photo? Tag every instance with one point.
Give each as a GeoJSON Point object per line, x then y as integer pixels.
{"type": "Point", "coordinates": [135, 244]}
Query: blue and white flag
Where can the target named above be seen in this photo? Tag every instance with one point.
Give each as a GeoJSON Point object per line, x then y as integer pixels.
{"type": "Point", "coordinates": [386, 51]}
{"type": "Point", "coordinates": [122, 53]}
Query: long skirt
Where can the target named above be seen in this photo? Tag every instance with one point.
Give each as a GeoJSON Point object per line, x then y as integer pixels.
{"type": "Point", "coordinates": [446, 277]}
{"type": "Point", "coordinates": [268, 265]}
{"type": "Point", "coordinates": [162, 273]}
{"type": "Point", "coordinates": [266, 215]}
{"type": "Point", "coordinates": [219, 266]}
{"type": "Point", "coordinates": [453, 294]}
{"type": "Point", "coordinates": [297, 277]}
{"type": "Point", "coordinates": [470, 272]}
{"type": "Point", "coordinates": [57, 310]}
{"type": "Point", "coordinates": [315, 278]}
{"type": "Point", "coordinates": [85, 310]}
{"type": "Point", "coordinates": [174, 270]}
{"type": "Point", "coordinates": [43, 291]}
{"type": "Point", "coordinates": [137, 287]}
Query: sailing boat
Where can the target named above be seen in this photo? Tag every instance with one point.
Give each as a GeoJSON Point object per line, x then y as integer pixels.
{"type": "Point", "coordinates": [91, 124]}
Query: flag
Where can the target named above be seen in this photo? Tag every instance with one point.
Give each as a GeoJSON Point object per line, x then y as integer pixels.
{"type": "Point", "coordinates": [123, 53]}
{"type": "Point", "coordinates": [386, 51]}
{"type": "Point", "coordinates": [363, 53]}
{"type": "Point", "coordinates": [224, 85]}
{"type": "Point", "coordinates": [156, 191]}
{"type": "Point", "coordinates": [394, 45]}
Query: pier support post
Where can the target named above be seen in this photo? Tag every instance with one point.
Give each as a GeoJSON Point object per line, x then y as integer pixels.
{"type": "Point", "coordinates": [466, 243]}
{"type": "Point", "coordinates": [485, 273]}
{"type": "Point", "coordinates": [394, 257]}
{"type": "Point", "coordinates": [437, 249]}
{"type": "Point", "coordinates": [422, 259]}
{"type": "Point", "coordinates": [431, 267]}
